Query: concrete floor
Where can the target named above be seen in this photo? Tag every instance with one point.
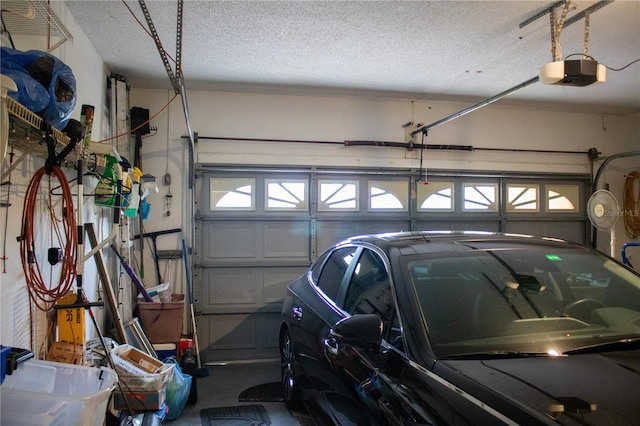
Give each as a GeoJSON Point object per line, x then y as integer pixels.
{"type": "Point", "coordinates": [224, 384]}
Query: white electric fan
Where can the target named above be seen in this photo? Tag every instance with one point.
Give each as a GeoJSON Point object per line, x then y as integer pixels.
{"type": "Point", "coordinates": [603, 209]}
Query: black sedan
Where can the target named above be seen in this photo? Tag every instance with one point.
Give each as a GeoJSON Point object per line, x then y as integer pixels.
{"type": "Point", "coordinates": [458, 328]}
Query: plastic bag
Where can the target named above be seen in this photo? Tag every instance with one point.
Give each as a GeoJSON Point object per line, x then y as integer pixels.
{"type": "Point", "coordinates": [177, 390]}
{"type": "Point", "coordinates": [46, 85]}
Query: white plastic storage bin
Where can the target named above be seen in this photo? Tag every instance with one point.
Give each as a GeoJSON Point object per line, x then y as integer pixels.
{"type": "Point", "coordinates": [52, 393]}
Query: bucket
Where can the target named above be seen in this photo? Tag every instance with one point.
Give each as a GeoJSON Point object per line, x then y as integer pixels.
{"type": "Point", "coordinates": [162, 321]}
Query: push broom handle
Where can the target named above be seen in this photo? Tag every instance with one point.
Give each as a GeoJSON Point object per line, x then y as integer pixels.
{"type": "Point", "coordinates": [133, 276]}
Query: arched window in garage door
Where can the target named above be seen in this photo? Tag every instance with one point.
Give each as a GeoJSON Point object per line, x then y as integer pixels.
{"type": "Point", "coordinates": [563, 198]}
{"type": "Point", "coordinates": [436, 196]}
{"type": "Point", "coordinates": [523, 197]}
{"type": "Point", "coordinates": [560, 198]}
{"type": "Point", "coordinates": [390, 195]}
{"type": "Point", "coordinates": [338, 195]}
{"type": "Point", "coordinates": [287, 194]}
{"type": "Point", "coordinates": [480, 196]}
{"type": "Point", "coordinates": [232, 194]}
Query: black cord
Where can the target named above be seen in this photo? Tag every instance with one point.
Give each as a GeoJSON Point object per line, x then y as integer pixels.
{"type": "Point", "coordinates": [606, 66]}
{"type": "Point", "coordinates": [422, 176]}
{"type": "Point", "coordinates": [6, 31]}
{"type": "Point", "coordinates": [624, 67]}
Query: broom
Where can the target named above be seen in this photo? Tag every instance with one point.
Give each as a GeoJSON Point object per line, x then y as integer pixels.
{"type": "Point", "coordinates": [201, 371]}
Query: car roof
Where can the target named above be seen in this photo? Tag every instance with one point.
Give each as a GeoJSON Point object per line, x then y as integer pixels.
{"type": "Point", "coordinates": [436, 241]}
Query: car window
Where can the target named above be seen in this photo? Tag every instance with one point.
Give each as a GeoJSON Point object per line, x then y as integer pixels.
{"type": "Point", "coordinates": [317, 267]}
{"type": "Point", "coordinates": [369, 291]}
{"type": "Point", "coordinates": [393, 334]}
{"type": "Point", "coordinates": [538, 299]}
{"type": "Point", "coordinates": [333, 271]}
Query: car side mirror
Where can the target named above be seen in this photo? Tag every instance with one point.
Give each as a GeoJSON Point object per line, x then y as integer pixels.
{"type": "Point", "coordinates": [362, 331]}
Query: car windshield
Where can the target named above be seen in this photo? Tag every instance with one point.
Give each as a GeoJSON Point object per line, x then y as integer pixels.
{"type": "Point", "coordinates": [524, 301]}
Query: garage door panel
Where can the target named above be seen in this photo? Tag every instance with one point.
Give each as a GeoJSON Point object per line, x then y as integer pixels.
{"type": "Point", "coordinates": [379, 226]}
{"type": "Point", "coordinates": [276, 281]}
{"type": "Point", "coordinates": [230, 289]}
{"type": "Point", "coordinates": [231, 331]}
{"type": "Point", "coordinates": [245, 290]}
{"type": "Point", "coordinates": [233, 240]}
{"type": "Point", "coordinates": [238, 336]}
{"type": "Point", "coordinates": [286, 240]}
{"type": "Point", "coordinates": [331, 232]}
{"type": "Point", "coordinates": [571, 231]}
{"type": "Point", "coordinates": [259, 241]}
{"type": "Point", "coordinates": [458, 225]}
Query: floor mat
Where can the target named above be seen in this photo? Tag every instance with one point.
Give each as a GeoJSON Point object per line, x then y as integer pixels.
{"type": "Point", "coordinates": [241, 415]}
{"type": "Point", "coordinates": [266, 392]}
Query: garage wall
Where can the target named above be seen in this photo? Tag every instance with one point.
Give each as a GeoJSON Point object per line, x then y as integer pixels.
{"type": "Point", "coordinates": [315, 118]}
{"type": "Point", "coordinates": [90, 74]}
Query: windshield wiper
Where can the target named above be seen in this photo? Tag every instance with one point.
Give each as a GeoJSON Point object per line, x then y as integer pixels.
{"type": "Point", "coordinates": [495, 355]}
{"type": "Point", "coordinates": [610, 346]}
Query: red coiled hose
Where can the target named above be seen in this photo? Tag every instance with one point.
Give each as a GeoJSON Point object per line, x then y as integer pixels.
{"type": "Point", "coordinates": [45, 295]}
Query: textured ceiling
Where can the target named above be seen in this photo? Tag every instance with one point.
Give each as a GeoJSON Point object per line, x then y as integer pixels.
{"type": "Point", "coordinates": [431, 50]}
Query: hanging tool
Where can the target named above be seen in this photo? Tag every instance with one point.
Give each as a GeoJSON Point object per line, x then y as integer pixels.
{"type": "Point", "coordinates": [200, 372]}
{"type": "Point", "coordinates": [169, 255]}
{"type": "Point", "coordinates": [134, 277]}
{"type": "Point", "coordinates": [154, 236]}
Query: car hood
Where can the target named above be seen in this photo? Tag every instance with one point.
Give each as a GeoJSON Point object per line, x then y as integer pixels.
{"type": "Point", "coordinates": [592, 389]}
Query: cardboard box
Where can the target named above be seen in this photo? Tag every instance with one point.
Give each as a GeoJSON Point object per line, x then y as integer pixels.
{"type": "Point", "coordinates": [70, 321]}
{"type": "Point", "coordinates": [142, 360]}
{"type": "Point", "coordinates": [139, 400]}
{"type": "Point", "coordinates": [135, 378]}
{"type": "Point", "coordinates": [67, 353]}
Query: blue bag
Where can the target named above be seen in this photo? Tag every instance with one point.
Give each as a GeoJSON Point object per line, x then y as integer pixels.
{"type": "Point", "coordinates": [46, 85]}
{"type": "Point", "coordinates": [178, 390]}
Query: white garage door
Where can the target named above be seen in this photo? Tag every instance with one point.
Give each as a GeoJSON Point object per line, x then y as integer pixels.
{"type": "Point", "coordinates": [257, 229]}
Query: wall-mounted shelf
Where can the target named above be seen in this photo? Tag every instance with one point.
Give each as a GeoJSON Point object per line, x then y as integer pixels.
{"type": "Point", "coordinates": [25, 132]}
{"type": "Point", "coordinates": [26, 135]}
{"type": "Point", "coordinates": [34, 18]}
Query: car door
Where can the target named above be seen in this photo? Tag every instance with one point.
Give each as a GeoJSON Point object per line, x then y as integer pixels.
{"type": "Point", "coordinates": [314, 312]}
{"type": "Point", "coordinates": [369, 377]}
{"type": "Point", "coordinates": [387, 385]}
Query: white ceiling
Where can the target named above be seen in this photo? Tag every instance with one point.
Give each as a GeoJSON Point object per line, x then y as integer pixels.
{"type": "Point", "coordinates": [423, 50]}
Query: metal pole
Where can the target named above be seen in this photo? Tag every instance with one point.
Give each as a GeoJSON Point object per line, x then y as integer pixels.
{"type": "Point", "coordinates": [425, 129]}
